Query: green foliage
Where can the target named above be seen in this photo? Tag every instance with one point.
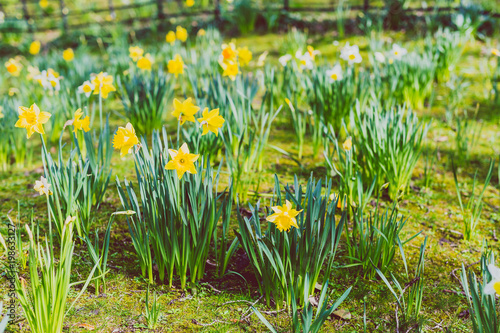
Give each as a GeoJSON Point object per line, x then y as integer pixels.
{"type": "Point", "coordinates": [175, 219]}
{"type": "Point", "coordinates": [280, 259]}
{"type": "Point", "coordinates": [152, 315]}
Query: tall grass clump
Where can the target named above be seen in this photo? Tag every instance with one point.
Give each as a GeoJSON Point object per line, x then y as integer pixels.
{"type": "Point", "coordinates": [389, 144]}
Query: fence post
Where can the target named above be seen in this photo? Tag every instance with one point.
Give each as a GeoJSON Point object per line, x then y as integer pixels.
{"type": "Point", "coordinates": [111, 9]}
{"type": "Point", "coordinates": [27, 16]}
{"type": "Point", "coordinates": [217, 11]}
{"type": "Point", "coordinates": [286, 5]}
{"type": "Point", "coordinates": [366, 5]}
{"type": "Point", "coordinates": [161, 14]}
{"type": "Point", "coordinates": [64, 16]}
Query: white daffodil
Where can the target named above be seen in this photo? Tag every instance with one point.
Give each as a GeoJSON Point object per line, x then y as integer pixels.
{"type": "Point", "coordinates": [494, 285]}
{"type": "Point", "coordinates": [398, 52]}
{"type": "Point", "coordinates": [86, 88]}
{"type": "Point", "coordinates": [42, 186]}
{"type": "Point", "coordinates": [285, 59]}
{"type": "Point", "coordinates": [350, 54]}
{"type": "Point", "coordinates": [49, 80]}
{"type": "Point", "coordinates": [305, 60]}
{"type": "Point", "coordinates": [334, 74]}
{"type": "Point", "coordinates": [379, 56]}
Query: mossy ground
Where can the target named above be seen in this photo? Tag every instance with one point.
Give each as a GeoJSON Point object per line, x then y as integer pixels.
{"type": "Point", "coordinates": [434, 211]}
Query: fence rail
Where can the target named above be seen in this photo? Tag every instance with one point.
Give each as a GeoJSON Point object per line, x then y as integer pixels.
{"type": "Point", "coordinates": [25, 21]}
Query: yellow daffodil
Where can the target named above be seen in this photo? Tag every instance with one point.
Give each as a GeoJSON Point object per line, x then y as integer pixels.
{"type": "Point", "coordinates": [181, 33]}
{"type": "Point", "coordinates": [35, 47]}
{"type": "Point", "coordinates": [229, 53]}
{"type": "Point", "coordinates": [211, 121]}
{"type": "Point", "coordinates": [189, 3]}
{"type": "Point", "coordinates": [44, 3]}
{"type": "Point", "coordinates": [231, 70]}
{"type": "Point", "coordinates": [80, 123]}
{"type": "Point", "coordinates": [493, 287]}
{"type": "Point", "coordinates": [334, 197]}
{"type": "Point", "coordinates": [13, 91]}
{"type": "Point", "coordinates": [13, 67]}
{"type": "Point", "coordinates": [86, 88]}
{"type": "Point", "coordinates": [184, 111]}
{"type": "Point", "coordinates": [32, 119]}
{"type": "Point", "coordinates": [176, 65]}
{"type": "Point", "coordinates": [312, 52]}
{"type": "Point", "coordinates": [135, 53]}
{"type": "Point", "coordinates": [68, 55]}
{"type": "Point", "coordinates": [495, 52]}
{"type": "Point", "coordinates": [145, 62]}
{"type": "Point", "coordinates": [125, 139]}
{"type": "Point", "coordinates": [244, 56]}
{"type": "Point", "coordinates": [182, 161]}
{"type": "Point", "coordinates": [170, 37]}
{"type": "Point", "coordinates": [42, 186]}
{"type": "Point", "coordinates": [284, 216]}
{"type": "Point", "coordinates": [103, 84]}
{"type": "Point", "coordinates": [347, 144]}
{"type": "Point", "coordinates": [201, 33]}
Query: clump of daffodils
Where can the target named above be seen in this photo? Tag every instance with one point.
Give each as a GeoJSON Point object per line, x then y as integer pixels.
{"type": "Point", "coordinates": [176, 65]}
{"type": "Point", "coordinates": [103, 84]}
{"type": "Point", "coordinates": [231, 58]}
{"type": "Point", "coordinates": [184, 111]}
{"type": "Point", "coordinates": [49, 79]}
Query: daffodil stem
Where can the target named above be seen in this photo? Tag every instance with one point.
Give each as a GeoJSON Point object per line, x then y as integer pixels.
{"type": "Point", "coordinates": [100, 110]}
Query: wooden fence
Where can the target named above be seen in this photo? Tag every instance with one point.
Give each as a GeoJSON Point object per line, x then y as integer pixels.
{"type": "Point", "coordinates": [20, 16]}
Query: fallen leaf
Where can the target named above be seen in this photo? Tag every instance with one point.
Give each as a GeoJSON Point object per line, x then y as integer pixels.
{"type": "Point", "coordinates": [343, 314]}
{"type": "Point", "coordinates": [86, 326]}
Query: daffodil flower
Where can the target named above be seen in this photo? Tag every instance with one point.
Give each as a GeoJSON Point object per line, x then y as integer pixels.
{"type": "Point", "coordinates": [181, 33]}
{"type": "Point", "coordinates": [350, 54]}
{"type": "Point", "coordinates": [170, 37]}
{"type": "Point", "coordinates": [35, 47]}
{"type": "Point", "coordinates": [68, 55]}
{"type": "Point", "coordinates": [176, 65]}
{"type": "Point", "coordinates": [103, 84]}
{"type": "Point", "coordinates": [135, 52]}
{"type": "Point", "coordinates": [334, 74]}
{"type": "Point", "coordinates": [379, 57]}
{"type": "Point", "coordinates": [229, 53]}
{"type": "Point", "coordinates": [230, 69]}
{"type": "Point", "coordinates": [285, 59]}
{"type": "Point", "coordinates": [284, 216]}
{"type": "Point", "coordinates": [32, 119]}
{"type": "Point", "coordinates": [42, 186]}
{"type": "Point", "coordinates": [211, 121]}
{"type": "Point", "coordinates": [184, 111]}
{"type": "Point", "coordinates": [145, 63]}
{"type": "Point", "coordinates": [125, 139]}
{"type": "Point", "coordinates": [244, 55]}
{"type": "Point", "coordinates": [347, 145]}
{"type": "Point", "coordinates": [182, 161]}
{"type": "Point", "coordinates": [13, 67]}
{"type": "Point", "coordinates": [494, 285]}
{"type": "Point", "coordinates": [80, 123]}
{"type": "Point", "coordinates": [86, 88]}
{"type": "Point", "coordinates": [398, 52]}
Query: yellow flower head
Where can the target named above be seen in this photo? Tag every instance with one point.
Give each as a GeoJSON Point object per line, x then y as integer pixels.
{"type": "Point", "coordinates": [68, 55]}
{"type": "Point", "coordinates": [284, 216]}
{"type": "Point", "coordinates": [125, 139]}
{"type": "Point", "coordinates": [176, 65]}
{"type": "Point", "coordinates": [244, 56]}
{"type": "Point", "coordinates": [135, 52]}
{"type": "Point", "coordinates": [347, 144]}
{"type": "Point", "coordinates": [334, 197]}
{"type": "Point", "coordinates": [13, 67]}
{"type": "Point", "coordinates": [86, 88]}
{"type": "Point", "coordinates": [495, 52]}
{"type": "Point", "coordinates": [201, 32]}
{"type": "Point", "coordinates": [35, 47]}
{"type": "Point", "coordinates": [231, 70]}
{"type": "Point", "coordinates": [170, 37]}
{"type": "Point", "coordinates": [80, 123]}
{"type": "Point", "coordinates": [103, 83]}
{"type": "Point", "coordinates": [145, 62]}
{"type": "Point", "coordinates": [42, 186]}
{"type": "Point", "coordinates": [44, 3]}
{"type": "Point", "coordinates": [182, 161]}
{"type": "Point", "coordinates": [211, 121]}
{"type": "Point", "coordinates": [229, 53]}
{"type": "Point", "coordinates": [189, 3]}
{"type": "Point", "coordinates": [32, 119]}
{"type": "Point", "coordinates": [184, 111]}
{"type": "Point", "coordinates": [181, 33]}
